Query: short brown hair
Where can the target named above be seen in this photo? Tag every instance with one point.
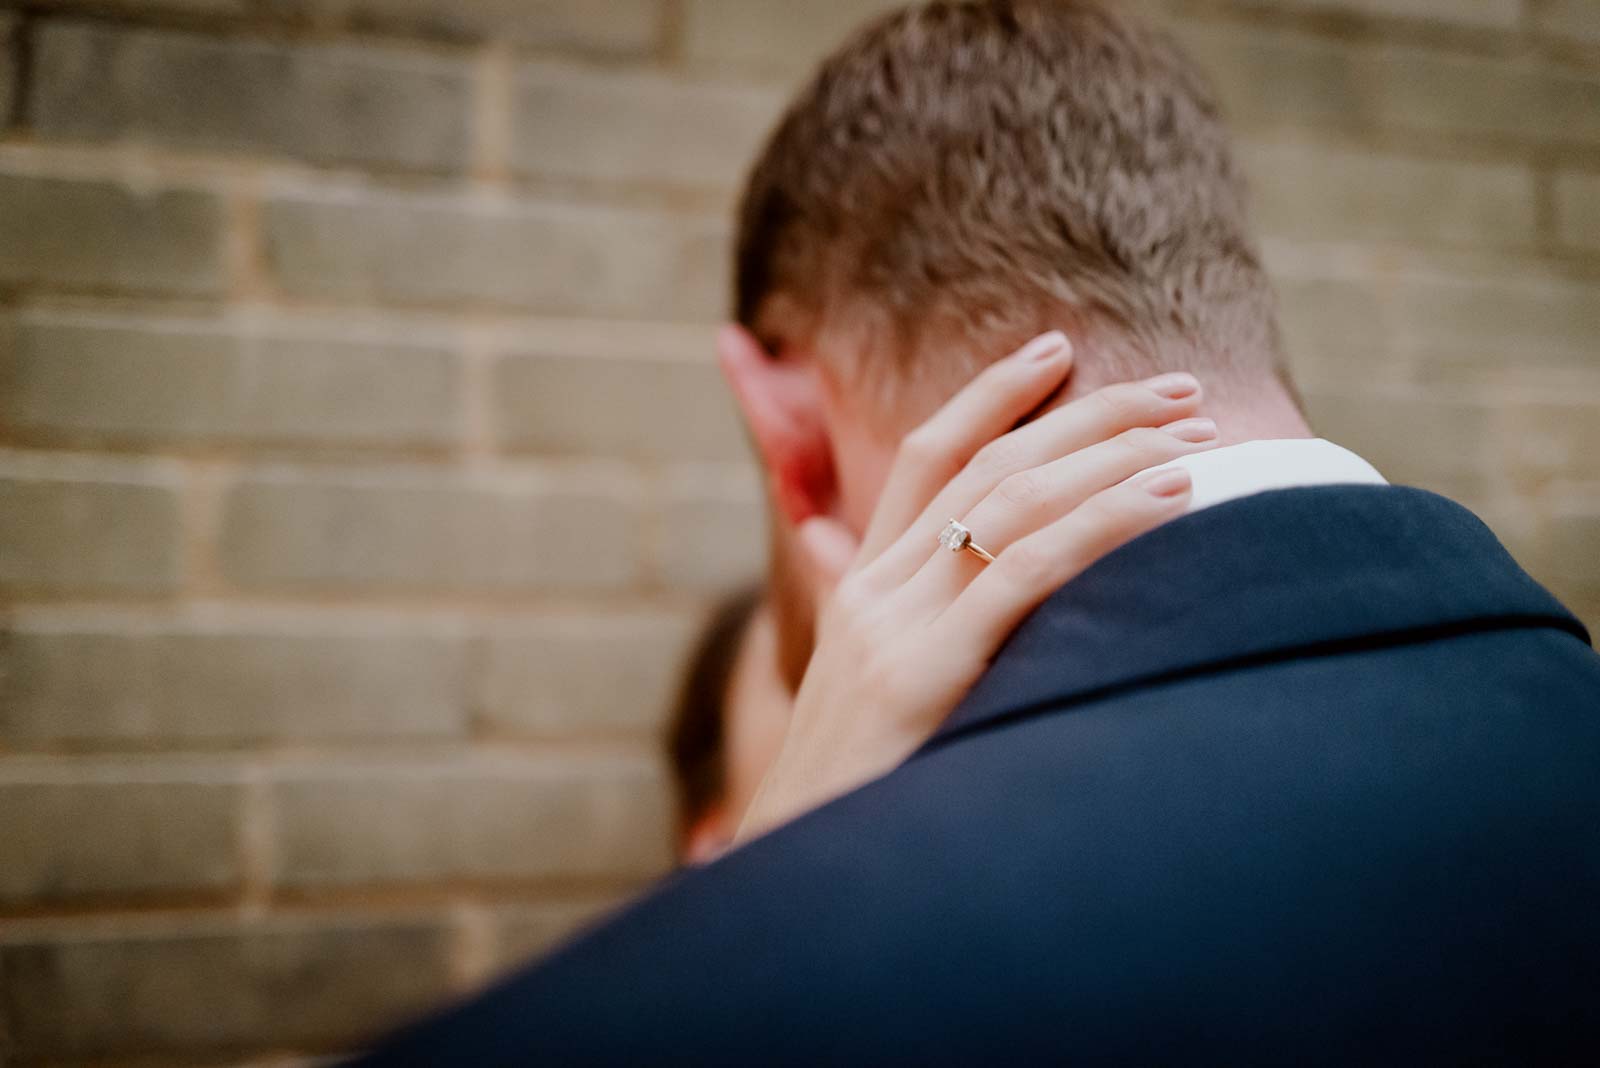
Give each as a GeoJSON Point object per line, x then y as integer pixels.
{"type": "Point", "coordinates": [963, 175]}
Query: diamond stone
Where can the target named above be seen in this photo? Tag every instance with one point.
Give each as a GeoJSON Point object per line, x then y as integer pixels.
{"type": "Point", "coordinates": [954, 537]}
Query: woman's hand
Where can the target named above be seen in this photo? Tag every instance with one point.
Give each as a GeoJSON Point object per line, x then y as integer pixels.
{"type": "Point", "coordinates": [910, 626]}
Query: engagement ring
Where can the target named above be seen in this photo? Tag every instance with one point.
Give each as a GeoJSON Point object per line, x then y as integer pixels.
{"type": "Point", "coordinates": [957, 538]}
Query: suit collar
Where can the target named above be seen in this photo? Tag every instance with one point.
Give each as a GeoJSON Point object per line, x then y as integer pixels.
{"type": "Point", "coordinates": [1258, 578]}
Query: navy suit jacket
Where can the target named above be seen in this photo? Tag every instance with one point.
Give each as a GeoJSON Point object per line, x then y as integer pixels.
{"type": "Point", "coordinates": [1310, 776]}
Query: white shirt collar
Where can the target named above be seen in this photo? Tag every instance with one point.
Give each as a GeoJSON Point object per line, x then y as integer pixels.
{"type": "Point", "coordinates": [1257, 466]}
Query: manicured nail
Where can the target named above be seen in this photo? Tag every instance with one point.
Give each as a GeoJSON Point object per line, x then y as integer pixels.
{"type": "Point", "coordinates": [1174, 386]}
{"type": "Point", "coordinates": [1193, 430]}
{"type": "Point", "coordinates": [1045, 347]}
{"type": "Point", "coordinates": [1172, 482]}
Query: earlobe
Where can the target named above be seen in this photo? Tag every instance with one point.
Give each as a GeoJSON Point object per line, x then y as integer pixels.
{"type": "Point", "coordinates": [708, 839]}
{"type": "Point", "coordinates": [782, 400]}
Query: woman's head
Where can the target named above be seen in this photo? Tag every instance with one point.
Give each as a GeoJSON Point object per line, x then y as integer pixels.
{"type": "Point", "coordinates": [727, 726]}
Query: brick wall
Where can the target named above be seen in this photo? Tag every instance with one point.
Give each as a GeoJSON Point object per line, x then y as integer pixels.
{"type": "Point", "coordinates": [363, 471]}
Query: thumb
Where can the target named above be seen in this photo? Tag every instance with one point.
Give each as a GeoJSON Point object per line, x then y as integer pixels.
{"type": "Point", "coordinates": [827, 548]}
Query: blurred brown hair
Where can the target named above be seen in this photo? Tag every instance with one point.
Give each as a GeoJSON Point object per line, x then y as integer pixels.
{"type": "Point", "coordinates": [961, 175]}
{"type": "Point", "coordinates": [697, 731]}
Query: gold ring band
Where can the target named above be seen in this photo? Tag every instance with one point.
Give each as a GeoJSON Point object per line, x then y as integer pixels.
{"type": "Point", "coordinates": [958, 538]}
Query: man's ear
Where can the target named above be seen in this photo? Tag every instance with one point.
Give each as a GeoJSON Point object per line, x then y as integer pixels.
{"type": "Point", "coordinates": [783, 407]}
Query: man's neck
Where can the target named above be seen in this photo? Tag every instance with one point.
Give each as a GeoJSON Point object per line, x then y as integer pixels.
{"type": "Point", "coordinates": [1267, 418]}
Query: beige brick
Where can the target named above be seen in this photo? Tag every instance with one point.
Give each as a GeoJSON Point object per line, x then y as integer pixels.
{"type": "Point", "coordinates": [147, 7]}
{"type": "Point", "coordinates": [97, 235]}
{"type": "Point", "coordinates": [1537, 102]}
{"type": "Point", "coordinates": [110, 528]}
{"type": "Point", "coordinates": [1410, 437]}
{"type": "Point", "coordinates": [1485, 14]}
{"type": "Point", "coordinates": [570, 675]}
{"type": "Point", "coordinates": [773, 34]}
{"type": "Point", "coordinates": [1487, 321]}
{"type": "Point", "coordinates": [412, 531]}
{"type": "Point", "coordinates": [612, 28]}
{"type": "Point", "coordinates": [221, 990]}
{"type": "Point", "coordinates": [667, 409]}
{"type": "Point", "coordinates": [97, 680]}
{"type": "Point", "coordinates": [503, 818]}
{"type": "Point", "coordinates": [174, 380]}
{"type": "Point", "coordinates": [712, 532]}
{"type": "Point", "coordinates": [1544, 441]}
{"type": "Point", "coordinates": [1314, 80]}
{"type": "Point", "coordinates": [1313, 192]}
{"type": "Point", "coordinates": [561, 259]}
{"type": "Point", "coordinates": [8, 76]}
{"type": "Point", "coordinates": [609, 338]}
{"type": "Point", "coordinates": [609, 126]}
{"type": "Point", "coordinates": [1578, 208]}
{"type": "Point", "coordinates": [1577, 19]}
{"type": "Point", "coordinates": [1334, 330]}
{"type": "Point", "coordinates": [319, 102]}
{"type": "Point", "coordinates": [79, 833]}
{"type": "Point", "coordinates": [1572, 555]}
{"type": "Point", "coordinates": [525, 932]}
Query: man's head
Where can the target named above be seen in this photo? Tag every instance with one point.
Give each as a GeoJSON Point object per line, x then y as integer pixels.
{"type": "Point", "coordinates": [955, 179]}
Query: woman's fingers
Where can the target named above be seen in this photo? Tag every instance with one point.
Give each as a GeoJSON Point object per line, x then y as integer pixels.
{"type": "Point", "coordinates": [1031, 500]}
{"type": "Point", "coordinates": [1085, 422]}
{"type": "Point", "coordinates": [985, 408]}
{"type": "Point", "coordinates": [826, 547]}
{"type": "Point", "coordinates": [1089, 421]}
{"type": "Point", "coordinates": [1001, 596]}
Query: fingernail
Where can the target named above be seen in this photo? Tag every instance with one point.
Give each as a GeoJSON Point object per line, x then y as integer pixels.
{"type": "Point", "coordinates": [1193, 430]}
{"type": "Point", "coordinates": [1045, 347]}
{"type": "Point", "coordinates": [1172, 482]}
{"type": "Point", "coordinates": [1174, 386]}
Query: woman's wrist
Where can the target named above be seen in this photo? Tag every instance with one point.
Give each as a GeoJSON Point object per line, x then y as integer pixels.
{"type": "Point", "coordinates": [802, 777]}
